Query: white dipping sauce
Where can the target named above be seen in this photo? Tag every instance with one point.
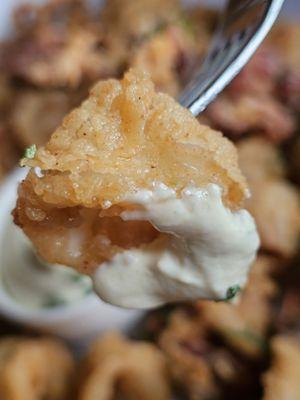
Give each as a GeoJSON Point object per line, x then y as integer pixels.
{"type": "Point", "coordinates": [33, 283]}
{"type": "Point", "coordinates": [206, 249]}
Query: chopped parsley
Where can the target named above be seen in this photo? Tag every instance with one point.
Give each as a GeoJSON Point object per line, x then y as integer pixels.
{"type": "Point", "coordinates": [232, 292]}
{"type": "Point", "coordinates": [54, 301]}
{"type": "Point", "coordinates": [77, 278]}
{"type": "Point", "coordinates": [88, 290]}
{"type": "Point", "coordinates": [29, 154]}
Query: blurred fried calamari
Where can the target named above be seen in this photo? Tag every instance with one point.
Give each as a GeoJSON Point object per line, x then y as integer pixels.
{"type": "Point", "coordinates": [115, 366]}
{"type": "Point", "coordinates": [34, 369]}
{"type": "Point", "coordinates": [281, 381]}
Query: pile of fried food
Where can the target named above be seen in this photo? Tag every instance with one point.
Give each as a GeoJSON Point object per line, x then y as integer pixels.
{"type": "Point", "coordinates": [44, 368]}
{"type": "Point", "coordinates": [203, 350]}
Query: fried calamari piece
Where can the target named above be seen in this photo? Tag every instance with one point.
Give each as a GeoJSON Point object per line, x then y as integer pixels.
{"type": "Point", "coordinates": [187, 350]}
{"type": "Point", "coordinates": [281, 382]}
{"type": "Point", "coordinates": [115, 366]}
{"type": "Point", "coordinates": [260, 159]}
{"type": "Point", "coordinates": [166, 56]}
{"type": "Point", "coordinates": [36, 114]}
{"type": "Point", "coordinates": [238, 326]}
{"type": "Point", "coordinates": [215, 348]}
{"type": "Point", "coordinates": [8, 153]}
{"type": "Point", "coordinates": [254, 103]}
{"type": "Point", "coordinates": [275, 207]}
{"type": "Point", "coordinates": [285, 37]}
{"type": "Point", "coordinates": [294, 160]}
{"type": "Point", "coordinates": [57, 44]}
{"type": "Point", "coordinates": [145, 16]}
{"type": "Point", "coordinates": [202, 368]}
{"type": "Point", "coordinates": [34, 369]}
{"type": "Point", "coordinates": [6, 94]}
{"type": "Point", "coordinates": [252, 113]}
{"type": "Point", "coordinates": [274, 201]}
{"type": "Point", "coordinates": [204, 21]}
{"type": "Point", "coordinates": [159, 39]}
{"type": "Point", "coordinates": [122, 139]}
{"type": "Point", "coordinates": [288, 313]}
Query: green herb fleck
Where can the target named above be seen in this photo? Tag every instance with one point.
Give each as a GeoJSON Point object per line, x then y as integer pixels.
{"type": "Point", "coordinates": [28, 154]}
{"type": "Point", "coordinates": [77, 278]}
{"type": "Point", "coordinates": [88, 290]}
{"type": "Point", "coordinates": [54, 301]}
{"type": "Point", "coordinates": [232, 292]}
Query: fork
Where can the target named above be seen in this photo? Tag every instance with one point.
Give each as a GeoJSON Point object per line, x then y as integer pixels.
{"type": "Point", "coordinates": [242, 28]}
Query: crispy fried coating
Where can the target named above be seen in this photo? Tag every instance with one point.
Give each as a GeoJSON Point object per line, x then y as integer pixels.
{"type": "Point", "coordinates": [242, 329]}
{"type": "Point", "coordinates": [126, 130]}
{"type": "Point", "coordinates": [34, 369]}
{"type": "Point", "coordinates": [123, 138]}
{"type": "Point", "coordinates": [115, 366]}
{"type": "Point", "coordinates": [281, 382]}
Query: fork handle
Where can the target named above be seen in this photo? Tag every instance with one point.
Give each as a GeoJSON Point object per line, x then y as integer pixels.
{"type": "Point", "coordinates": [244, 26]}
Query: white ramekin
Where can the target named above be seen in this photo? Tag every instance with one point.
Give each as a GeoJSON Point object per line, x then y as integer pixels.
{"type": "Point", "coordinates": [77, 321]}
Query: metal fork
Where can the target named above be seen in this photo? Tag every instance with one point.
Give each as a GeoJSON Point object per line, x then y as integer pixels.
{"type": "Point", "coordinates": [244, 25]}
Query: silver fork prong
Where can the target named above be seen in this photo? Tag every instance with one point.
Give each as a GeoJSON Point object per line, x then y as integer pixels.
{"type": "Point", "coordinates": [236, 40]}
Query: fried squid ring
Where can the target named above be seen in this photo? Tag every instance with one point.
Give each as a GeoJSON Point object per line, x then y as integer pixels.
{"type": "Point", "coordinates": [34, 369]}
{"type": "Point", "coordinates": [116, 366]}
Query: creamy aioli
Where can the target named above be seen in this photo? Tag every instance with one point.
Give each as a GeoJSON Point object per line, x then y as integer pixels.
{"type": "Point", "coordinates": [205, 249]}
{"type": "Point", "coordinates": [33, 283]}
